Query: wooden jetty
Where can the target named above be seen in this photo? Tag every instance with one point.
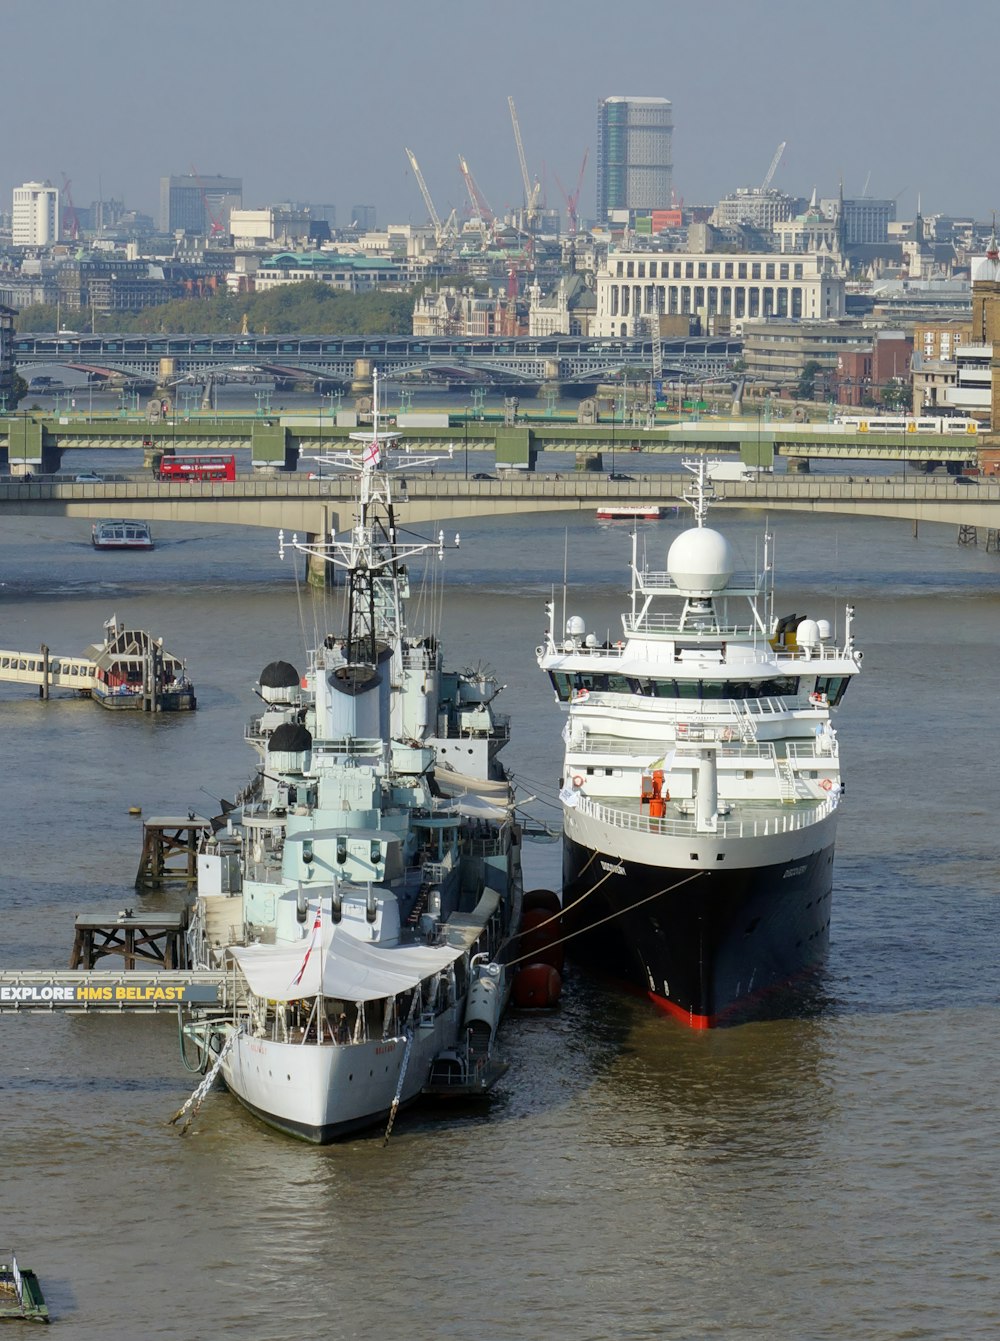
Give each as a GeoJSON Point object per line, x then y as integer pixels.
{"type": "Point", "coordinates": [139, 940]}
{"type": "Point", "coordinates": [170, 849]}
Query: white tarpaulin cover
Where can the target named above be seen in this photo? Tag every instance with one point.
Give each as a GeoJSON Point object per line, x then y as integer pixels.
{"type": "Point", "coordinates": [332, 963]}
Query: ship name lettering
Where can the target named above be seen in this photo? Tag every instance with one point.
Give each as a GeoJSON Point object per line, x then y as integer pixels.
{"type": "Point", "coordinates": [384, 1048]}
{"type": "Point", "coordinates": [793, 870]}
{"type": "Point", "coordinates": [613, 868]}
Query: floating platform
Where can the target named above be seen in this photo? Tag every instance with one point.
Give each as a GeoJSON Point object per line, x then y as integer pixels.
{"type": "Point", "coordinates": [21, 1298]}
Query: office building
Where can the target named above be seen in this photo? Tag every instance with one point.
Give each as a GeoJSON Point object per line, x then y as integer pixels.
{"type": "Point", "coordinates": [35, 218]}
{"type": "Point", "coordinates": [634, 163]}
{"type": "Point", "coordinates": [362, 218]}
{"type": "Point", "coordinates": [200, 206]}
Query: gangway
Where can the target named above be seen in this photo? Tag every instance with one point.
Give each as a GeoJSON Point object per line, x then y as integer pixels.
{"type": "Point", "coordinates": [110, 991]}
{"type": "Point", "coordinates": [46, 671]}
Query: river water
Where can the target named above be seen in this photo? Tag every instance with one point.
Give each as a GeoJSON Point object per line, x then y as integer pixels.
{"type": "Point", "coordinates": [829, 1175]}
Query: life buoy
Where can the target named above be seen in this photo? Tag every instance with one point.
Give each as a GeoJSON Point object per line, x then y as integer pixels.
{"type": "Point", "coordinates": [727, 733]}
{"type": "Point", "coordinates": [577, 780]}
{"type": "Point", "coordinates": [582, 694]}
{"type": "Point", "coordinates": [826, 784]}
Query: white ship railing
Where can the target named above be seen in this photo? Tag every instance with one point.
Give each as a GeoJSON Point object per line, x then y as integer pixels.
{"type": "Point", "coordinates": [800, 818]}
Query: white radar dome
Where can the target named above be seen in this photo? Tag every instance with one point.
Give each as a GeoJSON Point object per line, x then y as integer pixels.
{"type": "Point", "coordinates": [575, 626]}
{"type": "Point", "coordinates": [825, 630]}
{"type": "Point", "coordinates": [700, 561]}
{"type": "Point", "coordinates": [807, 633]}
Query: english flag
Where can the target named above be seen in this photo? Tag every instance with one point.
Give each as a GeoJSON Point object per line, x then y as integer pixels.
{"type": "Point", "coordinates": [314, 940]}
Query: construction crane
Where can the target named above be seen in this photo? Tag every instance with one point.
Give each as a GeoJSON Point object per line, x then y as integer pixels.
{"type": "Point", "coordinates": [530, 192]}
{"type": "Point", "coordinates": [434, 216]}
{"type": "Point", "coordinates": [572, 200]}
{"type": "Point", "coordinates": [216, 227]}
{"type": "Point", "coordinates": [480, 205]}
{"type": "Point", "coordinates": [774, 166]}
{"type": "Point", "coordinates": [70, 218]}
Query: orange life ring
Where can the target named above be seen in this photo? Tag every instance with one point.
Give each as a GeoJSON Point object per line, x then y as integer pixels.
{"type": "Point", "coordinates": [826, 784]}
{"type": "Point", "coordinates": [577, 780]}
{"type": "Point", "coordinates": [582, 694]}
{"type": "Point", "coordinates": [727, 733]}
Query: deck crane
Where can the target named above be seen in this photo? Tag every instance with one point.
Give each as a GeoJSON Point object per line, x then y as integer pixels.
{"type": "Point", "coordinates": [531, 193]}
{"type": "Point", "coordinates": [480, 205]}
{"type": "Point", "coordinates": [774, 166]}
{"type": "Point", "coordinates": [434, 216]}
{"type": "Point", "coordinates": [572, 200]}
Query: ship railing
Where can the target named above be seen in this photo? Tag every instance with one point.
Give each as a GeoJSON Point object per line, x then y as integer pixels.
{"type": "Point", "coordinates": [766, 826]}
{"type": "Point", "coordinates": [822, 751]}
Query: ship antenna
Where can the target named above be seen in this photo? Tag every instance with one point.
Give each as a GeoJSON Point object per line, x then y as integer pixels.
{"type": "Point", "coordinates": [565, 577]}
{"type": "Point", "coordinates": [702, 493]}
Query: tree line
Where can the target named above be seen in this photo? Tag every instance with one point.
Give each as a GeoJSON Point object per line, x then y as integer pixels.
{"type": "Point", "coordinates": [308, 308]}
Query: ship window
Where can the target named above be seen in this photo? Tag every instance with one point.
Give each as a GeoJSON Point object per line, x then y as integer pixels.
{"type": "Point", "coordinates": [833, 686]}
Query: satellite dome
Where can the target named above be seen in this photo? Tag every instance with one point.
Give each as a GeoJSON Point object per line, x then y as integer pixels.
{"type": "Point", "coordinates": [279, 675]}
{"type": "Point", "coordinates": [807, 634]}
{"type": "Point", "coordinates": [700, 561]}
{"type": "Point", "coordinates": [289, 738]}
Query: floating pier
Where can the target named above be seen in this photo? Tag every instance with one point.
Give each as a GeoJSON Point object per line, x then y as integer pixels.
{"type": "Point", "coordinates": [170, 850]}
{"type": "Point", "coordinates": [129, 669]}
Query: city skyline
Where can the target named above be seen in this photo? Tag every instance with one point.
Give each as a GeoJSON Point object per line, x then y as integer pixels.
{"type": "Point", "coordinates": [317, 104]}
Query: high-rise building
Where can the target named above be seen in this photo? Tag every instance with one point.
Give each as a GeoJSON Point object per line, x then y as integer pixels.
{"type": "Point", "coordinates": [35, 218]}
{"type": "Point", "coordinates": [634, 163]}
{"type": "Point", "coordinates": [199, 205]}
{"type": "Point", "coordinates": [363, 218]}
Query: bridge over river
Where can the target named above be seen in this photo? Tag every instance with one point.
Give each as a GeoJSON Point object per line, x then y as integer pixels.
{"type": "Point", "coordinates": [35, 443]}
{"type": "Point", "coordinates": [291, 502]}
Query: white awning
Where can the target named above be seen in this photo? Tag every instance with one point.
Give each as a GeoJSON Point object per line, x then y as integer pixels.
{"type": "Point", "coordinates": [333, 963]}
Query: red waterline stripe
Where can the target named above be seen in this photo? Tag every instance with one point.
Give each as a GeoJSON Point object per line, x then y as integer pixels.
{"type": "Point", "coordinates": [679, 1013]}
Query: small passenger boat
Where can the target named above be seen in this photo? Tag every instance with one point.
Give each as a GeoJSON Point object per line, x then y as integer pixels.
{"type": "Point", "coordinates": [118, 534]}
{"type": "Point", "coordinates": [21, 1295]}
{"type": "Point", "coordinates": [631, 512]}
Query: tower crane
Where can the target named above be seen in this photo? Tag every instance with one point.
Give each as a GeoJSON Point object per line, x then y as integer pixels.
{"type": "Point", "coordinates": [70, 218]}
{"type": "Point", "coordinates": [434, 217]}
{"type": "Point", "coordinates": [530, 192]}
{"type": "Point", "coordinates": [480, 205]}
{"type": "Point", "coordinates": [774, 166]}
{"type": "Point", "coordinates": [216, 226]}
{"type": "Point", "coordinates": [572, 199]}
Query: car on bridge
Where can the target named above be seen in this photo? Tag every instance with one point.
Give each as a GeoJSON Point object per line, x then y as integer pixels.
{"type": "Point", "coordinates": [619, 478]}
{"type": "Point", "coordinates": [482, 475]}
{"type": "Point", "coordinates": [88, 477]}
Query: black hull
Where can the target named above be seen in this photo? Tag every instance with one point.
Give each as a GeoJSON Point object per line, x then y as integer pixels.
{"type": "Point", "coordinates": [711, 947]}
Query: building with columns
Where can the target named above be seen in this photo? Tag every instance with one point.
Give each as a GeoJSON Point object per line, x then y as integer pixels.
{"type": "Point", "coordinates": [634, 286]}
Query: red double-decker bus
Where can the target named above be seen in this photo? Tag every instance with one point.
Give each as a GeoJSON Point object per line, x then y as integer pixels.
{"type": "Point", "coordinates": [197, 468]}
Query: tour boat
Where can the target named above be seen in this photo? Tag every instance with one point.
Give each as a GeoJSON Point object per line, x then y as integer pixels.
{"type": "Point", "coordinates": [121, 535]}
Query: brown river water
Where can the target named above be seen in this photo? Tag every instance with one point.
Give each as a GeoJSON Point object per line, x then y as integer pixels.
{"type": "Point", "coordinates": [832, 1174]}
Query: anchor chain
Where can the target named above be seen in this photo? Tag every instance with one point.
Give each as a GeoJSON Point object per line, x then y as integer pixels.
{"type": "Point", "coordinates": [194, 1102]}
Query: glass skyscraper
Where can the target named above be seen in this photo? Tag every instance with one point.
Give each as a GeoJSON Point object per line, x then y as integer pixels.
{"type": "Point", "coordinates": [634, 165]}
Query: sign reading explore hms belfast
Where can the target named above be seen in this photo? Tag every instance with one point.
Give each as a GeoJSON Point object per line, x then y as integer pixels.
{"type": "Point", "coordinates": [701, 781]}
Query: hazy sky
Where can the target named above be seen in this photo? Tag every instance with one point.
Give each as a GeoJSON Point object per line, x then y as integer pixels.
{"type": "Point", "coordinates": [315, 99]}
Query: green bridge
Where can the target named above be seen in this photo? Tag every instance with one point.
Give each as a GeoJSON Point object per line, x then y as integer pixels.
{"type": "Point", "coordinates": [35, 444]}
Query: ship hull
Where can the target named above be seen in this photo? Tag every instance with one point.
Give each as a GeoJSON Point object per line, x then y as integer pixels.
{"type": "Point", "coordinates": [708, 946]}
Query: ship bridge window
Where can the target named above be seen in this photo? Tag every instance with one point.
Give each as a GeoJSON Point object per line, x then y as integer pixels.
{"type": "Point", "coordinates": [781, 686]}
{"type": "Point", "coordinates": [833, 686]}
{"type": "Point", "coordinates": [568, 685]}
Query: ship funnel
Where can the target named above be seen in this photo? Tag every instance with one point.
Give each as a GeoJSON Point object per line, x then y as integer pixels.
{"type": "Point", "coordinates": [706, 813]}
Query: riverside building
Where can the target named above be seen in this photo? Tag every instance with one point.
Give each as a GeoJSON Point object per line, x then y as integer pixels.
{"type": "Point", "coordinates": [35, 215]}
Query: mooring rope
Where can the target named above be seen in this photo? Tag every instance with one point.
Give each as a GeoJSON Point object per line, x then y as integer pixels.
{"type": "Point", "coordinates": [399, 1087]}
{"type": "Point", "coordinates": [591, 926]}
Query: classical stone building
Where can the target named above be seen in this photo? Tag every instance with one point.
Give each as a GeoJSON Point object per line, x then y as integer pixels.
{"type": "Point", "coordinates": [742, 287]}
